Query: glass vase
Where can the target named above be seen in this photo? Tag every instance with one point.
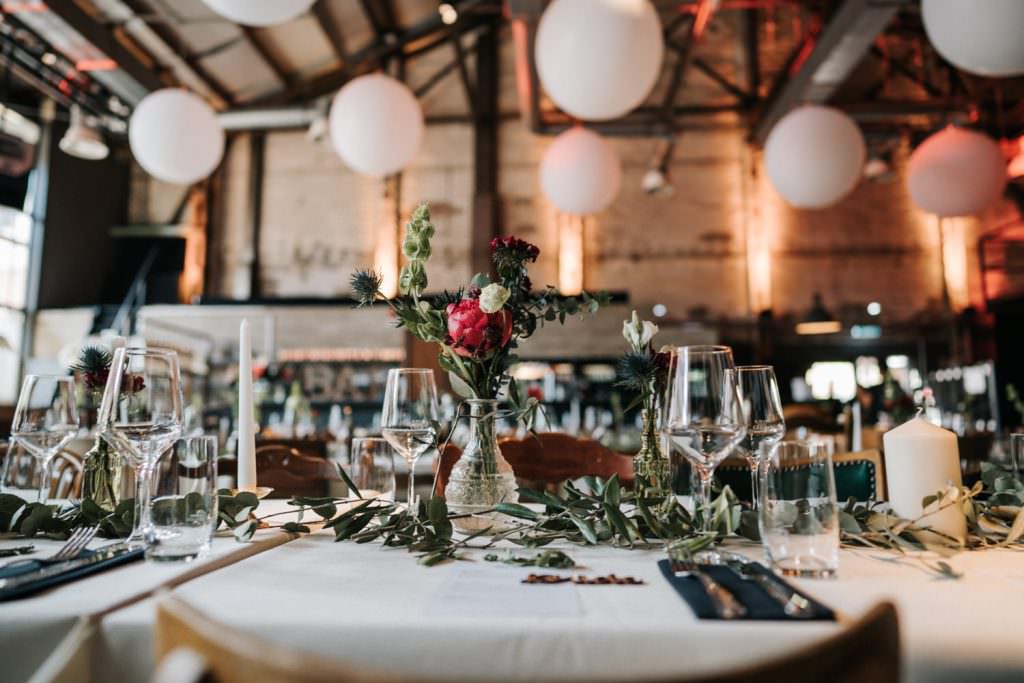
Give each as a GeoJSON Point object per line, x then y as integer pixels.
{"type": "Point", "coordinates": [650, 465]}
{"type": "Point", "coordinates": [481, 478]}
{"type": "Point", "coordinates": [103, 468]}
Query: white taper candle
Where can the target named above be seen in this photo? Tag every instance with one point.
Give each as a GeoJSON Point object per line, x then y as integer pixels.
{"type": "Point", "coordinates": [246, 413]}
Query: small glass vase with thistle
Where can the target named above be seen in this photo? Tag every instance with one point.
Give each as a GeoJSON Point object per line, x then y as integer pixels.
{"type": "Point", "coordinates": [102, 465]}
{"type": "Point", "coordinates": [477, 330]}
{"type": "Point", "coordinates": [644, 372]}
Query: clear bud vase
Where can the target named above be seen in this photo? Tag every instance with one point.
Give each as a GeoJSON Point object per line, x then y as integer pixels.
{"type": "Point", "coordinates": [481, 478]}
{"type": "Point", "coordinates": [102, 472]}
{"type": "Point", "coordinates": [650, 465]}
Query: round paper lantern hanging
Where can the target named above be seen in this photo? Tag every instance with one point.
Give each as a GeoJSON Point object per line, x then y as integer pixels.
{"type": "Point", "coordinates": [814, 156]}
{"type": "Point", "coordinates": [580, 172]}
{"type": "Point", "coordinates": [259, 12]}
{"type": "Point", "coordinates": [175, 136]}
{"type": "Point", "coordinates": [598, 59]}
{"type": "Point", "coordinates": [376, 124]}
{"type": "Point", "coordinates": [956, 172]}
{"type": "Point", "coordinates": [980, 37]}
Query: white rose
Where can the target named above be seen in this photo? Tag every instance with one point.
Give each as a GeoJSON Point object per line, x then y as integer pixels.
{"type": "Point", "coordinates": [638, 333]}
{"type": "Point", "coordinates": [493, 297]}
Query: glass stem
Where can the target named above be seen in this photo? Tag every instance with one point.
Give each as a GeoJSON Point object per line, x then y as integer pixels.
{"type": "Point", "coordinates": [44, 481]}
{"type": "Point", "coordinates": [410, 495]}
{"type": "Point", "coordinates": [753, 482]}
{"type": "Point", "coordinates": [143, 489]}
{"type": "Point", "coordinates": [703, 499]}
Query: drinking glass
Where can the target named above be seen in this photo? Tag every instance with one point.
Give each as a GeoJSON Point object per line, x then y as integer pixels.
{"type": "Point", "coordinates": [45, 420]}
{"type": "Point", "coordinates": [762, 414]}
{"type": "Point", "coordinates": [1016, 453]}
{"type": "Point", "coordinates": [704, 418]}
{"type": "Point", "coordinates": [799, 518]}
{"type": "Point", "coordinates": [184, 510]}
{"type": "Point", "coordinates": [141, 415]}
{"type": "Point", "coordinates": [372, 467]}
{"type": "Point", "coordinates": [409, 417]}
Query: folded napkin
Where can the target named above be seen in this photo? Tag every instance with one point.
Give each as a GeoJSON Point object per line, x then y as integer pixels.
{"type": "Point", "coordinates": [759, 604]}
{"type": "Point", "coordinates": [30, 566]}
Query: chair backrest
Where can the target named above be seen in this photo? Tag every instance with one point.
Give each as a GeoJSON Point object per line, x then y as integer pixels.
{"type": "Point", "coordinates": [66, 473]}
{"type": "Point", "coordinates": [287, 471]}
{"type": "Point", "coordinates": [550, 458]}
{"type": "Point", "coordinates": [859, 475]}
{"type": "Point", "coordinates": [189, 646]}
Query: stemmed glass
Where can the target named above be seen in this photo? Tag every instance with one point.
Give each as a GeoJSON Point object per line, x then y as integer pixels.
{"type": "Point", "coordinates": [141, 415]}
{"type": "Point", "coordinates": [45, 420]}
{"type": "Point", "coordinates": [762, 414]}
{"type": "Point", "coordinates": [409, 419]}
{"type": "Point", "coordinates": [704, 419]}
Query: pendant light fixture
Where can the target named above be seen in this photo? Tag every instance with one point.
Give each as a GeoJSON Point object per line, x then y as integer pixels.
{"type": "Point", "coordinates": [818, 320]}
{"type": "Point", "coordinates": [83, 139]}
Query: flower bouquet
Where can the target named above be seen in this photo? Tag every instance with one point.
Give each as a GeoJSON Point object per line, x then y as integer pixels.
{"type": "Point", "coordinates": [477, 330]}
{"type": "Point", "coordinates": [644, 371]}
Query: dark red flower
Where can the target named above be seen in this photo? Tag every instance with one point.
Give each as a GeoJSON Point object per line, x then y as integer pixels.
{"type": "Point", "coordinates": [96, 380]}
{"type": "Point", "coordinates": [663, 359]}
{"type": "Point", "coordinates": [516, 248]}
{"type": "Point", "coordinates": [534, 391]}
{"type": "Point", "coordinates": [473, 333]}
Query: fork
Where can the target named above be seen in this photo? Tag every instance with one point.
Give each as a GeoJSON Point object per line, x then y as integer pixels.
{"type": "Point", "coordinates": [71, 548]}
{"type": "Point", "coordinates": [725, 603]}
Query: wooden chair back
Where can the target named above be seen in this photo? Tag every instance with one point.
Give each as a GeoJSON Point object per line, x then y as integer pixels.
{"type": "Point", "coordinates": [191, 647]}
{"type": "Point", "coordinates": [66, 473]}
{"type": "Point", "coordinates": [287, 471]}
{"type": "Point", "coordinates": [550, 458]}
{"type": "Point", "coordinates": [866, 650]}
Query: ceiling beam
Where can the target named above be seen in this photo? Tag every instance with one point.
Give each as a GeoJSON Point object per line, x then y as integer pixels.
{"type": "Point", "coordinates": [193, 62]}
{"type": "Point", "coordinates": [702, 16]}
{"type": "Point", "coordinates": [369, 56]}
{"type": "Point", "coordinates": [829, 59]}
{"type": "Point", "coordinates": [331, 30]}
{"type": "Point", "coordinates": [105, 41]}
{"type": "Point", "coordinates": [269, 58]}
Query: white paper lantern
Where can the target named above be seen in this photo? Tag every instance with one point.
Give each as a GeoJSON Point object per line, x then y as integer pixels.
{"type": "Point", "coordinates": [580, 172]}
{"type": "Point", "coordinates": [814, 156]}
{"type": "Point", "coordinates": [598, 59]}
{"type": "Point", "coordinates": [175, 136]}
{"type": "Point", "coordinates": [259, 12]}
{"type": "Point", "coordinates": [956, 172]}
{"type": "Point", "coordinates": [376, 124]}
{"type": "Point", "coordinates": [979, 36]}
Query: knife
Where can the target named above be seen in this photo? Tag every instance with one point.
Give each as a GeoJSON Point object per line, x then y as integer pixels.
{"type": "Point", "coordinates": [793, 604]}
{"type": "Point", "coordinates": [105, 554]}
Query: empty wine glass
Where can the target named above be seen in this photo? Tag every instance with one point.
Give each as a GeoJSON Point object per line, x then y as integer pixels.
{"type": "Point", "coordinates": [704, 419]}
{"type": "Point", "coordinates": [45, 420]}
{"type": "Point", "coordinates": [409, 419]}
{"type": "Point", "coordinates": [372, 467]}
{"type": "Point", "coordinates": [141, 415]}
{"type": "Point", "coordinates": [762, 414]}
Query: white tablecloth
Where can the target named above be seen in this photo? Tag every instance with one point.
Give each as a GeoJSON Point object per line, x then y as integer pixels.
{"type": "Point", "coordinates": [368, 605]}
{"type": "Point", "coordinates": [30, 628]}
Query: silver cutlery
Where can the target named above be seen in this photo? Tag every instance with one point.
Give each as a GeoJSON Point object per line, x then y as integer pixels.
{"type": "Point", "coordinates": [793, 604]}
{"type": "Point", "coordinates": [724, 602]}
{"type": "Point", "coordinates": [72, 547]}
{"type": "Point", "coordinates": [19, 550]}
{"type": "Point", "coordinates": [104, 554]}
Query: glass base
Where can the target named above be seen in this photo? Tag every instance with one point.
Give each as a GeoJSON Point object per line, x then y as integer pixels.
{"type": "Point", "coordinates": [164, 553]}
{"type": "Point", "coordinates": [806, 573]}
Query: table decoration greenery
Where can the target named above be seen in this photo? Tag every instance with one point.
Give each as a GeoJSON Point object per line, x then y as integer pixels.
{"type": "Point", "coordinates": [601, 512]}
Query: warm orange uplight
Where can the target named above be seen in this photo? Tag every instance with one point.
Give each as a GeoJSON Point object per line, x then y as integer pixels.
{"type": "Point", "coordinates": [570, 254]}
{"type": "Point", "coordinates": [15, 7]}
{"type": "Point", "coordinates": [95, 65]}
{"type": "Point", "coordinates": [819, 327]}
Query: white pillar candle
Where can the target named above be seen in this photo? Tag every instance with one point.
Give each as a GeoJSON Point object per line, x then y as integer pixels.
{"type": "Point", "coordinates": [923, 460]}
{"type": "Point", "coordinates": [246, 423]}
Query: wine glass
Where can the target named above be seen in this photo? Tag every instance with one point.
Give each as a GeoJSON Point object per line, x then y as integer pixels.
{"type": "Point", "coordinates": [704, 419]}
{"type": "Point", "coordinates": [372, 467]}
{"type": "Point", "coordinates": [141, 415]}
{"type": "Point", "coordinates": [409, 417]}
{"type": "Point", "coordinates": [762, 414]}
{"type": "Point", "coordinates": [45, 420]}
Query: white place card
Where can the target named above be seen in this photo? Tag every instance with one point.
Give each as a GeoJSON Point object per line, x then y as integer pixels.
{"type": "Point", "coordinates": [497, 591]}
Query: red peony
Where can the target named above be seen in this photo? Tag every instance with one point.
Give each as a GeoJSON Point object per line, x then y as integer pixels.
{"type": "Point", "coordinates": [473, 333]}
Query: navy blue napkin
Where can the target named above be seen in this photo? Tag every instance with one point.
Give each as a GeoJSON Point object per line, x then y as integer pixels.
{"type": "Point", "coordinates": [759, 604]}
{"type": "Point", "coordinates": [28, 567]}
